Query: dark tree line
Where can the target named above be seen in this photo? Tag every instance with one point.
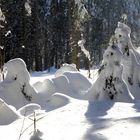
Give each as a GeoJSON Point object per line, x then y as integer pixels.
{"type": "Point", "coordinates": [45, 33]}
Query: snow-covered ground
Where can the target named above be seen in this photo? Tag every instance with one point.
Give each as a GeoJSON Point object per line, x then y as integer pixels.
{"type": "Point", "coordinates": [65, 104]}
{"type": "Point", "coordinates": [74, 120]}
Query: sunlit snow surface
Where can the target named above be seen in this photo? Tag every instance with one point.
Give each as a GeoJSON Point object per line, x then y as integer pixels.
{"type": "Point", "coordinates": [62, 106]}
{"type": "Point", "coordinates": [77, 120]}
{"type": "Point", "coordinates": [80, 120]}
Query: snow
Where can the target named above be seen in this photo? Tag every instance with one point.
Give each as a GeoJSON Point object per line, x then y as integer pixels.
{"type": "Point", "coordinates": [8, 113]}
{"type": "Point", "coordinates": [36, 136]}
{"type": "Point", "coordinates": [65, 68]}
{"type": "Point", "coordinates": [29, 109]}
{"type": "Point", "coordinates": [109, 84]}
{"type": "Point", "coordinates": [28, 8]}
{"type": "Point", "coordinates": [15, 85]}
{"type": "Point", "coordinates": [65, 104]}
{"type": "Point", "coordinates": [81, 9]}
{"type": "Point", "coordinates": [8, 33]}
{"type": "Point", "coordinates": [46, 88]}
{"type": "Point", "coordinates": [2, 18]}
{"type": "Point", "coordinates": [130, 60]}
{"type": "Point", "coordinates": [80, 120]}
{"type": "Point", "coordinates": [81, 44]}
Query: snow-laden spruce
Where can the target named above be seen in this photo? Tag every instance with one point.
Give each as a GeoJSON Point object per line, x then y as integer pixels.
{"type": "Point", "coordinates": [122, 33]}
{"type": "Point", "coordinates": [109, 84]}
{"type": "Point", "coordinates": [130, 60]}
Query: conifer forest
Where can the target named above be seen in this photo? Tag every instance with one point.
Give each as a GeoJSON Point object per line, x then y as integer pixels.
{"type": "Point", "coordinates": [45, 33]}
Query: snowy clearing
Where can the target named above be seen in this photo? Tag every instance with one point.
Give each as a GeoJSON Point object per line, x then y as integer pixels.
{"type": "Point", "coordinates": [65, 104]}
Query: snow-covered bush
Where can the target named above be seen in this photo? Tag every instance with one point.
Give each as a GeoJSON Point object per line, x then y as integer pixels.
{"type": "Point", "coordinates": [15, 88]}
{"type": "Point", "coordinates": [16, 70]}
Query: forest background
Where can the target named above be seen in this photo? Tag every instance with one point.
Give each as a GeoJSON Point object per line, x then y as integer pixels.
{"type": "Point", "coordinates": [45, 33]}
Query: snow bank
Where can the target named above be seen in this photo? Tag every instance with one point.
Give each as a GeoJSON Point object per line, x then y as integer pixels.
{"type": "Point", "coordinates": [8, 114]}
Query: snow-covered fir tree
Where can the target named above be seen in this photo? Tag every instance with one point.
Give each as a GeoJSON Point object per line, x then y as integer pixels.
{"type": "Point", "coordinates": [109, 84]}
{"type": "Point", "coordinates": [130, 60]}
{"type": "Point", "coordinates": [119, 77]}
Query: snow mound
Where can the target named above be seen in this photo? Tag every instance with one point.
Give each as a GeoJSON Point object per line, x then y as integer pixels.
{"type": "Point", "coordinates": [29, 109]}
{"type": "Point", "coordinates": [61, 84]}
{"type": "Point", "coordinates": [16, 70]}
{"type": "Point", "coordinates": [58, 100]}
{"type": "Point", "coordinates": [77, 83]}
{"type": "Point", "coordinates": [46, 88]}
{"type": "Point", "coordinates": [65, 68]}
{"type": "Point", "coordinates": [15, 89]}
{"type": "Point", "coordinates": [8, 114]}
{"type": "Point", "coordinates": [37, 86]}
